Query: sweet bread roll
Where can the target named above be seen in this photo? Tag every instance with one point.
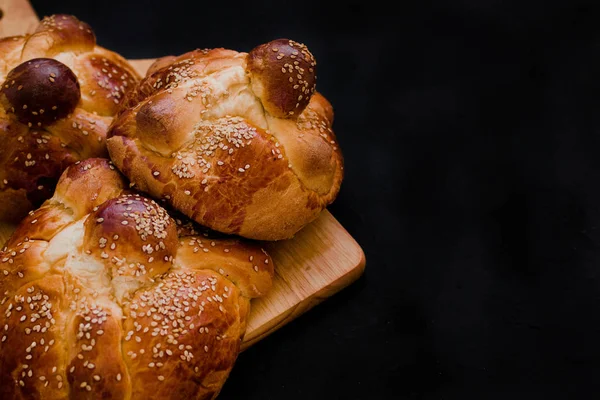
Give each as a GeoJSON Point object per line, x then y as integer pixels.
{"type": "Point", "coordinates": [59, 94]}
{"type": "Point", "coordinates": [105, 296]}
{"type": "Point", "coordinates": [239, 142]}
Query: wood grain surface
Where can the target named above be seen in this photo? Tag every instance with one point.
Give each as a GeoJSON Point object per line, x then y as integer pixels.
{"type": "Point", "coordinates": [318, 262]}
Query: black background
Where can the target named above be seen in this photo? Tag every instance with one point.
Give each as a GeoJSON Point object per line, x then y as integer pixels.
{"type": "Point", "coordinates": [471, 135]}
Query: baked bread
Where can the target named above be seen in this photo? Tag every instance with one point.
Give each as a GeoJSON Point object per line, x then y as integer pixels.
{"type": "Point", "coordinates": [104, 296]}
{"type": "Point", "coordinates": [239, 142]}
{"type": "Point", "coordinates": [60, 92]}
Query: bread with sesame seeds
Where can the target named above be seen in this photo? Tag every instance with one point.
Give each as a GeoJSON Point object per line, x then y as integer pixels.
{"type": "Point", "coordinates": [59, 93]}
{"type": "Point", "coordinates": [105, 295]}
{"type": "Point", "coordinates": [239, 142]}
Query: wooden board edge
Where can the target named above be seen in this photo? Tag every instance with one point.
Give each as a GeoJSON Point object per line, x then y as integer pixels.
{"type": "Point", "coordinates": [18, 18]}
{"type": "Point", "coordinates": [141, 65]}
{"type": "Point", "coordinates": [309, 302]}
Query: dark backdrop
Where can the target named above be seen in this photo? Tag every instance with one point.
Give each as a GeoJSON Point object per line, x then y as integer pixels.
{"type": "Point", "coordinates": [470, 131]}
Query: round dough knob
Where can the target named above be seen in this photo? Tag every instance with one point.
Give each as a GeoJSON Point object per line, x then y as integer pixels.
{"type": "Point", "coordinates": [40, 91]}
{"type": "Point", "coordinates": [283, 75]}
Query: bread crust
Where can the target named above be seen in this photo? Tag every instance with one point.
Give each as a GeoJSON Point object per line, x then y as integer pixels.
{"type": "Point", "coordinates": [104, 295]}
{"type": "Point", "coordinates": [231, 141]}
{"type": "Point", "coordinates": [59, 93]}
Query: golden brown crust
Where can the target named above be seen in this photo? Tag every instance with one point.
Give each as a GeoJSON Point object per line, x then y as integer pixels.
{"type": "Point", "coordinates": [59, 94]}
{"type": "Point", "coordinates": [57, 33]}
{"type": "Point", "coordinates": [33, 355]}
{"type": "Point", "coordinates": [83, 187]}
{"type": "Point", "coordinates": [200, 133]}
{"type": "Point", "coordinates": [197, 331]}
{"type": "Point", "coordinates": [160, 63]}
{"type": "Point", "coordinates": [108, 78]}
{"type": "Point", "coordinates": [247, 266]}
{"type": "Point", "coordinates": [78, 321]}
{"type": "Point", "coordinates": [145, 244]}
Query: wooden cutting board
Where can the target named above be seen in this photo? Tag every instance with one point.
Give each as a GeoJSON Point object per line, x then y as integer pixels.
{"type": "Point", "coordinates": [318, 262]}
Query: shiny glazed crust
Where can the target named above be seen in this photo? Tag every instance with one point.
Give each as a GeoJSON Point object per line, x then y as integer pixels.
{"type": "Point", "coordinates": [239, 142]}
{"type": "Point", "coordinates": [104, 295]}
{"type": "Point", "coordinates": [59, 94]}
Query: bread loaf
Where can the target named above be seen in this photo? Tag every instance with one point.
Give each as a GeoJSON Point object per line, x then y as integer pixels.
{"type": "Point", "coordinates": [104, 295]}
{"type": "Point", "coordinates": [59, 94]}
{"type": "Point", "coordinates": [239, 142]}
